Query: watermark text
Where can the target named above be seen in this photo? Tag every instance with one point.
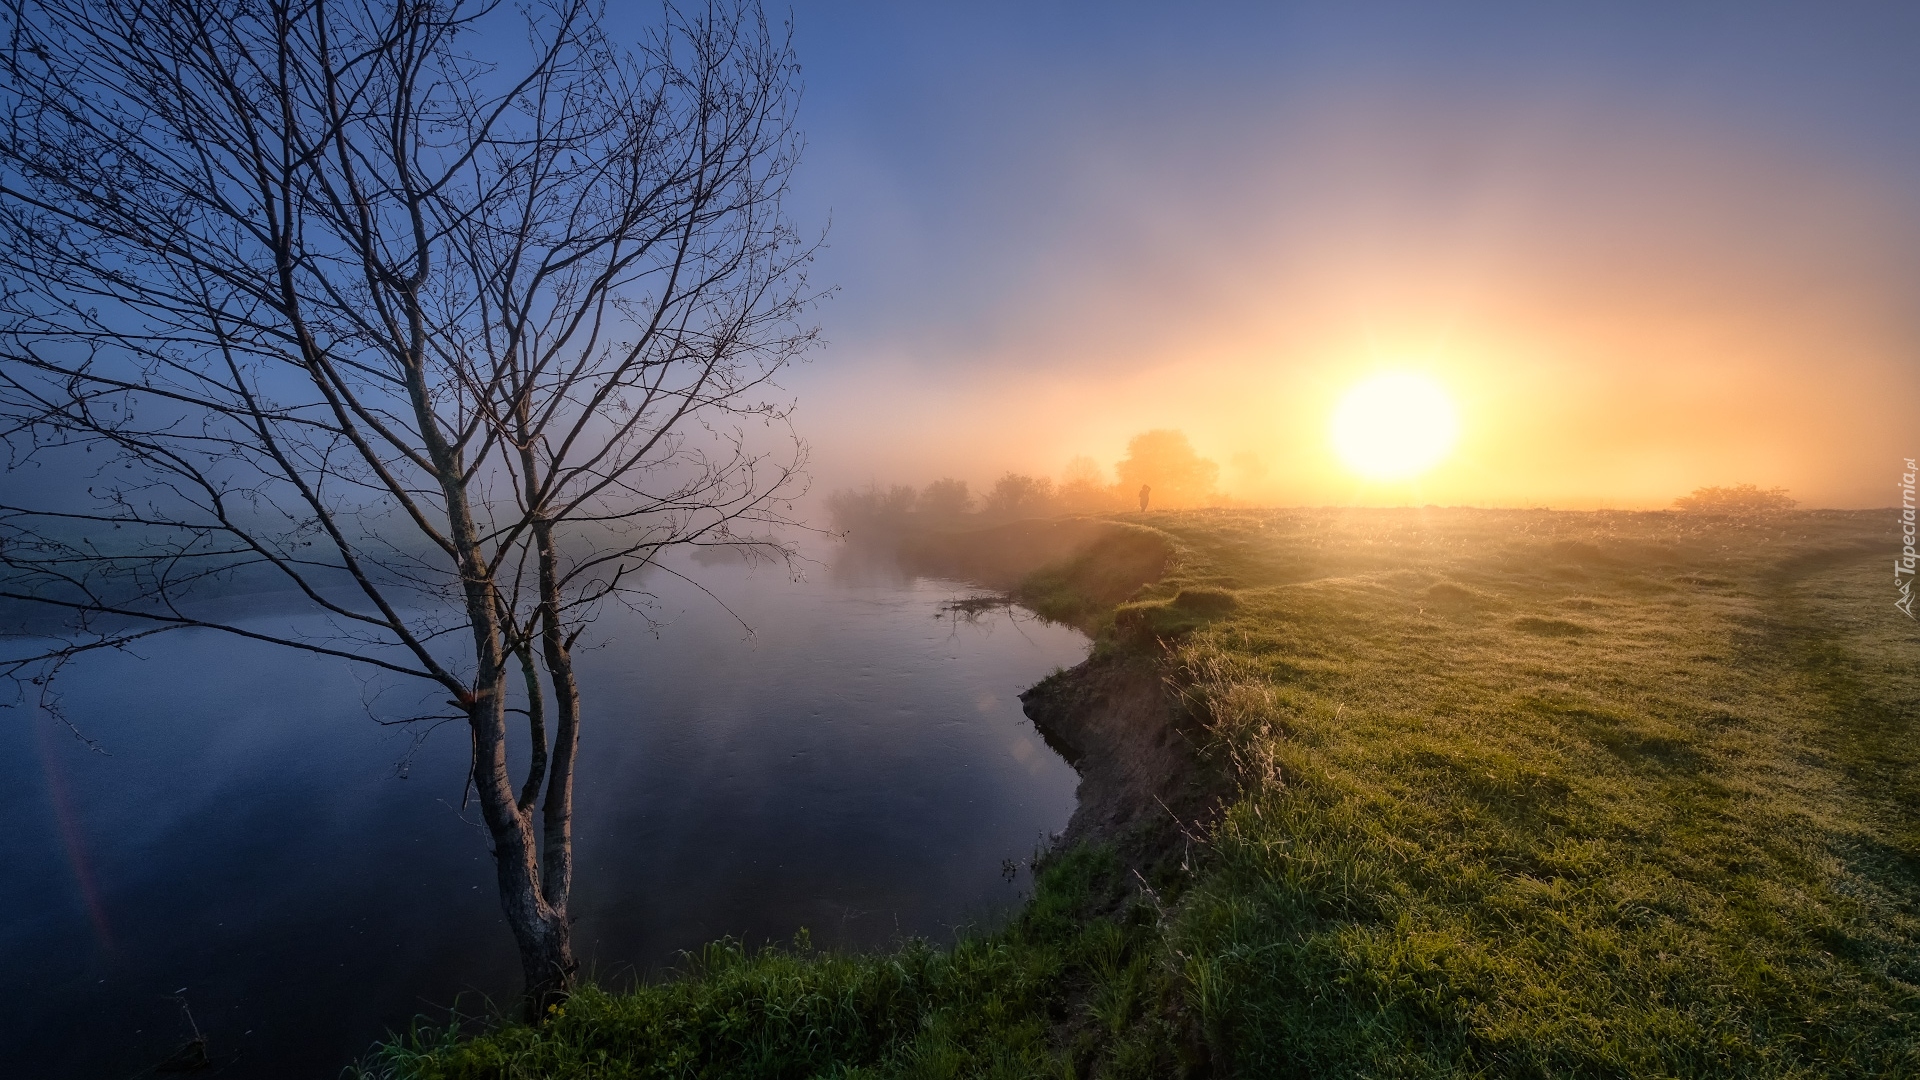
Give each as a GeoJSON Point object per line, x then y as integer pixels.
{"type": "Point", "coordinates": [1903, 566]}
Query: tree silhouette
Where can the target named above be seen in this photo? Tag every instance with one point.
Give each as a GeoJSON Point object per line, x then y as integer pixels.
{"type": "Point", "coordinates": [450, 349]}
{"type": "Point", "coordinates": [1083, 487]}
{"type": "Point", "coordinates": [1019, 495]}
{"type": "Point", "coordinates": [945, 499]}
{"type": "Point", "coordinates": [1738, 499]}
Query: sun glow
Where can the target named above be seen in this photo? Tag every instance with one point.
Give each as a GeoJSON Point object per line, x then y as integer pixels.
{"type": "Point", "coordinates": [1394, 426]}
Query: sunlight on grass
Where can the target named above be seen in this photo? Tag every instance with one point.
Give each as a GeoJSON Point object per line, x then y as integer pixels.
{"type": "Point", "coordinates": [1671, 837]}
{"type": "Point", "coordinates": [1505, 793]}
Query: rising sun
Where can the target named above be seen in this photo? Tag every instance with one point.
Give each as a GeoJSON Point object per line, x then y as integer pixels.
{"type": "Point", "coordinates": [1394, 426]}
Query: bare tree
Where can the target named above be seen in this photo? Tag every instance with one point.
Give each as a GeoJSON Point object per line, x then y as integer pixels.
{"type": "Point", "coordinates": [447, 316]}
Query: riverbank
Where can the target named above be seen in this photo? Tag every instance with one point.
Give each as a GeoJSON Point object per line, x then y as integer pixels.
{"type": "Point", "coordinates": [1400, 793]}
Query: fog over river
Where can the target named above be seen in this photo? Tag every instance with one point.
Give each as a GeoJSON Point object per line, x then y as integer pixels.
{"type": "Point", "coordinates": [860, 767]}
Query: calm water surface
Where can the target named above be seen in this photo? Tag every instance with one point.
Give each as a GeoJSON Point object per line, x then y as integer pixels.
{"type": "Point", "coordinates": [859, 767]}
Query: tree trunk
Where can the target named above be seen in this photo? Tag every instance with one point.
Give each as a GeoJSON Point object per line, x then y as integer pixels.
{"type": "Point", "coordinates": [548, 967]}
{"type": "Point", "coordinates": [536, 914]}
{"type": "Point", "coordinates": [335, 197]}
{"type": "Point", "coordinates": [557, 813]}
{"type": "Point", "coordinates": [540, 928]}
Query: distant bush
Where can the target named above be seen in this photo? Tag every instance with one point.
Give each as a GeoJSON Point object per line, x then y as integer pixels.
{"type": "Point", "coordinates": [872, 507]}
{"type": "Point", "coordinates": [1017, 495]}
{"type": "Point", "coordinates": [945, 498]}
{"type": "Point", "coordinates": [1738, 499]}
{"type": "Point", "coordinates": [1161, 460]}
{"type": "Point", "coordinates": [1084, 489]}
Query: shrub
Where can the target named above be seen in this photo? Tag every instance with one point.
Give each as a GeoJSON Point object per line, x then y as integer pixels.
{"type": "Point", "coordinates": [1738, 499]}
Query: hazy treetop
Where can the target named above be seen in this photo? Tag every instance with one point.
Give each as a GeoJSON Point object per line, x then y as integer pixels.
{"type": "Point", "coordinates": [1738, 499]}
{"type": "Point", "coordinates": [1165, 461]}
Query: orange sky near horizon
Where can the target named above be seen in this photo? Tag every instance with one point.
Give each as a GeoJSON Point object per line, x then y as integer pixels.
{"type": "Point", "coordinates": [1621, 308]}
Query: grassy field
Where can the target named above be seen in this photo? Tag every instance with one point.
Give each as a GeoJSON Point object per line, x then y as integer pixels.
{"type": "Point", "coordinates": [1523, 793]}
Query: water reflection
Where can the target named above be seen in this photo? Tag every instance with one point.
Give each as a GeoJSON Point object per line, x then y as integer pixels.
{"type": "Point", "coordinates": [859, 766]}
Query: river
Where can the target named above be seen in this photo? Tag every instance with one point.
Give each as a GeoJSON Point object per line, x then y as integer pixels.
{"type": "Point", "coordinates": [255, 851]}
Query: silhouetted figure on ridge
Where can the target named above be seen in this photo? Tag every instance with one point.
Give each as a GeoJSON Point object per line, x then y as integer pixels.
{"type": "Point", "coordinates": [1144, 492]}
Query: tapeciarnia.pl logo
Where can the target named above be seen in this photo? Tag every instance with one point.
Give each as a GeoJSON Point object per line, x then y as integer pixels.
{"type": "Point", "coordinates": [1904, 565]}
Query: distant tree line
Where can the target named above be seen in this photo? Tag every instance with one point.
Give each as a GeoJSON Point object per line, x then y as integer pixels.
{"type": "Point", "coordinates": [1162, 460]}
{"type": "Point", "coordinates": [1738, 499]}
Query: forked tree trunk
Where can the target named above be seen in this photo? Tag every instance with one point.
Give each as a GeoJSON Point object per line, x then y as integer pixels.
{"type": "Point", "coordinates": [540, 928]}
{"type": "Point", "coordinates": [557, 813]}
{"type": "Point", "coordinates": [536, 912]}
{"type": "Point", "coordinates": [256, 195]}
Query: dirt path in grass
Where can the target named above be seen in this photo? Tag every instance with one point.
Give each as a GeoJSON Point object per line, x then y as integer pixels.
{"type": "Point", "coordinates": [1834, 625]}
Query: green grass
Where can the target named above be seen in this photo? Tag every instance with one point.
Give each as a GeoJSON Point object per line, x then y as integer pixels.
{"type": "Point", "coordinates": [1054, 994]}
{"type": "Point", "coordinates": [1589, 795]}
{"type": "Point", "coordinates": [1515, 794]}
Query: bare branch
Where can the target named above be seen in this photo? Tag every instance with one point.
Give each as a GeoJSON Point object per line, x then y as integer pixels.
{"type": "Point", "coordinates": [444, 352]}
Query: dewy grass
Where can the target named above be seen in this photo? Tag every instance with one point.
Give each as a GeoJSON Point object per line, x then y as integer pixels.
{"type": "Point", "coordinates": [1609, 795]}
{"type": "Point", "coordinates": [1522, 794]}
{"type": "Point", "coordinates": [1051, 995]}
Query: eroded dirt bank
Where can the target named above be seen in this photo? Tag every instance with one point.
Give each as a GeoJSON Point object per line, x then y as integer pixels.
{"type": "Point", "coordinates": [1113, 717]}
{"type": "Point", "coordinates": [1120, 726]}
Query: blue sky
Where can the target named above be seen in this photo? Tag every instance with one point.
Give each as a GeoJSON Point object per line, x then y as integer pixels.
{"type": "Point", "coordinates": [1649, 247]}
